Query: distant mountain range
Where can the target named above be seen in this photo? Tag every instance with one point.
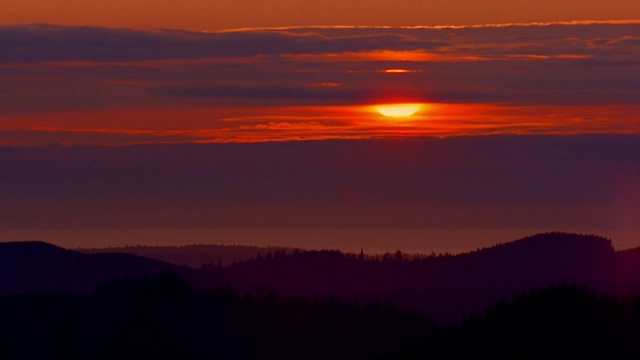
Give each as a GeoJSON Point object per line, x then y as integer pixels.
{"type": "Point", "coordinates": [445, 287]}
{"type": "Point", "coordinates": [38, 266]}
{"type": "Point", "coordinates": [193, 255]}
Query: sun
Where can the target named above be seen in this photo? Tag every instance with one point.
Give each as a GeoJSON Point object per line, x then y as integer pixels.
{"type": "Point", "coordinates": [398, 110]}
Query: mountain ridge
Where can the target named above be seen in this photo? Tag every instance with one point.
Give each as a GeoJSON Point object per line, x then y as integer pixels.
{"type": "Point", "coordinates": [38, 266]}
{"type": "Point", "coordinates": [444, 287]}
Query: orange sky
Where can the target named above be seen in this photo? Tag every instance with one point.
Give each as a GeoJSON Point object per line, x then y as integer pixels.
{"type": "Point", "coordinates": [222, 14]}
{"type": "Point", "coordinates": [257, 124]}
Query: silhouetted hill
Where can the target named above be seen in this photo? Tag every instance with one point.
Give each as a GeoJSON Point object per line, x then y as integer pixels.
{"type": "Point", "coordinates": [444, 287]}
{"type": "Point", "coordinates": [164, 318]}
{"type": "Point", "coordinates": [628, 271]}
{"type": "Point", "coordinates": [538, 260]}
{"type": "Point", "coordinates": [38, 266]}
{"type": "Point", "coordinates": [193, 255]}
{"type": "Point", "coordinates": [565, 321]}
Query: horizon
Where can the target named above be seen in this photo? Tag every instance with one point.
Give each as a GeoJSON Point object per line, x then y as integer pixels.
{"type": "Point", "coordinates": [424, 191]}
{"type": "Point", "coordinates": [372, 242]}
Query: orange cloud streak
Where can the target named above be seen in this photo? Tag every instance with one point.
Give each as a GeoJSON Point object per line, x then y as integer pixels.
{"type": "Point", "coordinates": [385, 55]}
{"type": "Point", "coordinates": [321, 122]}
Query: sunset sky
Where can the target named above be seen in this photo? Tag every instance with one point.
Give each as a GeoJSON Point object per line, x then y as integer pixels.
{"type": "Point", "coordinates": [251, 115]}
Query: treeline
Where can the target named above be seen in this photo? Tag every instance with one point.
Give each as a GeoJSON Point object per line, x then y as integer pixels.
{"type": "Point", "coordinates": [194, 256]}
{"type": "Point", "coordinates": [446, 288]}
{"type": "Point", "coordinates": [165, 318]}
{"type": "Point", "coordinates": [442, 287]}
{"type": "Point", "coordinates": [564, 321]}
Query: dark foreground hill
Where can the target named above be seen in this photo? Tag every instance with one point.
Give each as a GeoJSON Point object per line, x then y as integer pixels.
{"type": "Point", "coordinates": [164, 318]}
{"type": "Point", "coordinates": [564, 322]}
{"type": "Point", "coordinates": [37, 266]}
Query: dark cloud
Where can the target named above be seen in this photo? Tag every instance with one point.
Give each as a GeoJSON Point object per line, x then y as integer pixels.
{"type": "Point", "coordinates": [309, 95]}
{"type": "Point", "coordinates": [49, 69]}
{"type": "Point", "coordinates": [103, 137]}
{"type": "Point", "coordinates": [266, 93]}
{"type": "Point", "coordinates": [588, 91]}
{"type": "Point", "coordinates": [55, 43]}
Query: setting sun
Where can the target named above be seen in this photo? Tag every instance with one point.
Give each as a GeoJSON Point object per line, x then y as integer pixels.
{"type": "Point", "coordinates": [398, 110]}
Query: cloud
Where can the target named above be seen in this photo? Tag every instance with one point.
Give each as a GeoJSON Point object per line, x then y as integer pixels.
{"type": "Point", "coordinates": [41, 137]}
{"type": "Point", "coordinates": [56, 43]}
{"type": "Point", "coordinates": [526, 74]}
{"type": "Point", "coordinates": [274, 95]}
